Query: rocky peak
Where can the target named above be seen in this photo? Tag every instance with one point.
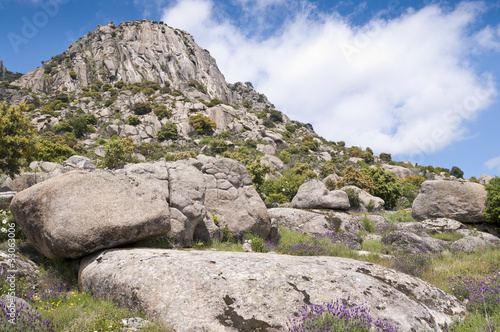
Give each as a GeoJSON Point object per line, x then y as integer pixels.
{"type": "Point", "coordinates": [131, 52]}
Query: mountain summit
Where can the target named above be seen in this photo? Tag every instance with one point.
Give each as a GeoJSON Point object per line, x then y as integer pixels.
{"type": "Point", "coordinates": [131, 52]}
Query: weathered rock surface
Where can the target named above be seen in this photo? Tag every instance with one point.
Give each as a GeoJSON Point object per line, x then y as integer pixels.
{"type": "Point", "coordinates": [81, 211]}
{"type": "Point", "coordinates": [23, 181]}
{"type": "Point", "coordinates": [23, 266]}
{"type": "Point", "coordinates": [314, 195]}
{"type": "Point", "coordinates": [365, 199]}
{"type": "Point", "coordinates": [398, 171]}
{"type": "Point", "coordinates": [230, 291]}
{"type": "Point", "coordinates": [311, 222]}
{"type": "Point", "coordinates": [442, 225]}
{"type": "Point", "coordinates": [410, 242]}
{"type": "Point", "coordinates": [459, 200]}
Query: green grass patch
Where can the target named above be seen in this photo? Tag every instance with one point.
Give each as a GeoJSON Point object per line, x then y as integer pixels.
{"type": "Point", "coordinates": [374, 246]}
{"type": "Point", "coordinates": [447, 236]}
{"type": "Point", "coordinates": [399, 216]}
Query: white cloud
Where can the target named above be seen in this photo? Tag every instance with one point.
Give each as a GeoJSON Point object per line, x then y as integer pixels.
{"type": "Point", "coordinates": [493, 163]}
{"type": "Point", "coordinates": [400, 85]}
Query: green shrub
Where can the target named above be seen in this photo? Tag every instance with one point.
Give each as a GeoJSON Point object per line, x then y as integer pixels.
{"type": "Point", "coordinates": [251, 143]}
{"type": "Point", "coordinates": [247, 104]}
{"type": "Point", "coordinates": [162, 112]}
{"type": "Point", "coordinates": [492, 210]}
{"type": "Point", "coordinates": [118, 150]}
{"type": "Point", "coordinates": [141, 108]}
{"type": "Point", "coordinates": [202, 124]}
{"type": "Point", "coordinates": [310, 143]}
{"type": "Point", "coordinates": [367, 225]}
{"type": "Point", "coordinates": [353, 198]}
{"type": "Point", "coordinates": [180, 155]}
{"type": "Point", "coordinates": [63, 127]}
{"type": "Point", "coordinates": [167, 131]}
{"type": "Point", "coordinates": [218, 146]}
{"type": "Point", "coordinates": [327, 168]}
{"type": "Point", "coordinates": [72, 74]}
{"type": "Point", "coordinates": [290, 127]}
{"type": "Point", "coordinates": [256, 241]}
{"type": "Point", "coordinates": [457, 172]}
{"type": "Point", "coordinates": [214, 102]}
{"type": "Point", "coordinates": [288, 185]}
{"type": "Point", "coordinates": [133, 120]}
{"type": "Point", "coordinates": [385, 157]}
{"type": "Point", "coordinates": [55, 152]}
{"type": "Point", "coordinates": [148, 91]}
{"type": "Point", "coordinates": [386, 186]}
{"type": "Point", "coordinates": [276, 116]}
{"type": "Point", "coordinates": [285, 156]}
{"type": "Point", "coordinates": [354, 177]}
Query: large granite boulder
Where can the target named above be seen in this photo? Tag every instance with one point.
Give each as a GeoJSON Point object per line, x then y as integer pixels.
{"type": "Point", "coordinates": [81, 212]}
{"type": "Point", "coordinates": [365, 199]}
{"type": "Point", "coordinates": [314, 195]}
{"type": "Point", "coordinates": [459, 200]}
{"type": "Point", "coordinates": [315, 221]}
{"type": "Point", "coordinates": [233, 291]}
{"type": "Point", "coordinates": [407, 241]}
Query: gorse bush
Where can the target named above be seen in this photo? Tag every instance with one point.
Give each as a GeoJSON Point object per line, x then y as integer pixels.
{"type": "Point", "coordinates": [161, 111]}
{"type": "Point", "coordinates": [218, 145]}
{"type": "Point", "coordinates": [354, 177]}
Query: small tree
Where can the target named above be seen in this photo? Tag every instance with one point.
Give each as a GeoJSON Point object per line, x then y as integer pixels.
{"type": "Point", "coordinates": [202, 124]}
{"type": "Point", "coordinates": [167, 131]}
{"type": "Point", "coordinates": [457, 172]}
{"type": "Point", "coordinates": [16, 138]}
{"type": "Point", "coordinates": [492, 210]}
{"type": "Point", "coordinates": [385, 184]}
{"type": "Point", "coordinates": [386, 157]}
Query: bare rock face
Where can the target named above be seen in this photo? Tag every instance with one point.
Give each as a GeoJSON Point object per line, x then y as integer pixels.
{"type": "Point", "coordinates": [79, 212]}
{"type": "Point", "coordinates": [83, 211]}
{"type": "Point", "coordinates": [132, 52]}
{"type": "Point", "coordinates": [459, 200]}
{"type": "Point", "coordinates": [232, 291]}
{"type": "Point", "coordinates": [314, 195]}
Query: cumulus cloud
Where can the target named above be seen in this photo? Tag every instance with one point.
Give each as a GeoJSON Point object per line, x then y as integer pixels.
{"type": "Point", "coordinates": [493, 163]}
{"type": "Point", "coordinates": [401, 85]}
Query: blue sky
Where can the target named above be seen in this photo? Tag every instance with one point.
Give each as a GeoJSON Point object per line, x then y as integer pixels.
{"type": "Point", "coordinates": [418, 79]}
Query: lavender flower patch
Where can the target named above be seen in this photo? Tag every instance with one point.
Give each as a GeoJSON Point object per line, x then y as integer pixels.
{"type": "Point", "coordinates": [317, 237]}
{"type": "Point", "coordinates": [413, 263]}
{"type": "Point", "coordinates": [26, 319]}
{"type": "Point", "coordinates": [479, 295]}
{"type": "Point", "coordinates": [270, 246]}
{"type": "Point", "coordinates": [340, 315]}
{"type": "Point", "coordinates": [304, 249]}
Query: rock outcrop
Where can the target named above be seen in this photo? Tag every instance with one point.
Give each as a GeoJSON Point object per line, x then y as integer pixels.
{"type": "Point", "coordinates": [315, 221]}
{"type": "Point", "coordinates": [398, 171]}
{"type": "Point", "coordinates": [367, 201]}
{"type": "Point", "coordinates": [232, 291]}
{"type": "Point", "coordinates": [314, 195]}
{"type": "Point", "coordinates": [83, 211]}
{"type": "Point", "coordinates": [408, 241]}
{"type": "Point", "coordinates": [459, 200]}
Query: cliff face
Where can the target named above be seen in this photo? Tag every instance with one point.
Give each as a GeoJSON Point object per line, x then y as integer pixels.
{"type": "Point", "coordinates": [132, 52]}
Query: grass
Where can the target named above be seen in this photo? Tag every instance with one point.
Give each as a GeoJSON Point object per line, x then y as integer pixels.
{"type": "Point", "coordinates": [447, 236]}
{"type": "Point", "coordinates": [399, 216]}
{"type": "Point", "coordinates": [374, 246]}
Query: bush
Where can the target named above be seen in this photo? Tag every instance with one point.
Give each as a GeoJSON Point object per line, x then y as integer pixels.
{"type": "Point", "coordinates": [492, 210]}
{"type": "Point", "coordinates": [141, 108]}
{"type": "Point", "coordinates": [218, 146]}
{"type": "Point", "coordinates": [148, 91]}
{"type": "Point", "coordinates": [180, 155]}
{"type": "Point", "coordinates": [133, 120]}
{"type": "Point", "coordinates": [72, 74]}
{"type": "Point", "coordinates": [167, 131]}
{"type": "Point", "coordinates": [276, 116]}
{"type": "Point", "coordinates": [327, 168]}
{"type": "Point", "coordinates": [288, 185]}
{"type": "Point", "coordinates": [162, 112]}
{"type": "Point", "coordinates": [256, 241]}
{"type": "Point", "coordinates": [353, 198]}
{"type": "Point", "coordinates": [385, 186]}
{"type": "Point", "coordinates": [385, 157]}
{"type": "Point", "coordinates": [55, 152]}
{"type": "Point", "coordinates": [309, 143]}
{"type": "Point", "coordinates": [290, 127]}
{"type": "Point", "coordinates": [414, 263]}
{"type": "Point", "coordinates": [202, 124]}
{"type": "Point", "coordinates": [118, 150]}
{"type": "Point", "coordinates": [16, 139]}
{"type": "Point", "coordinates": [354, 177]}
